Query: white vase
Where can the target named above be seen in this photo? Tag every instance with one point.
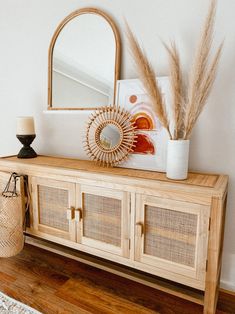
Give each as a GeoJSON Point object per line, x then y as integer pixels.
{"type": "Point", "coordinates": [177, 159]}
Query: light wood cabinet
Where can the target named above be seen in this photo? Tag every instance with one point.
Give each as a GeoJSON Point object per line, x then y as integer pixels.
{"type": "Point", "coordinates": [103, 219]}
{"type": "Point", "coordinates": [172, 235]}
{"type": "Point", "coordinates": [91, 216]}
{"type": "Point", "coordinates": [52, 210]}
{"type": "Point", "coordinates": [139, 219]}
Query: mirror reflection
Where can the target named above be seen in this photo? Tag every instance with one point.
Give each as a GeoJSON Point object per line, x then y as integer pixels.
{"type": "Point", "coordinates": [110, 136]}
{"type": "Point", "coordinates": [83, 64]}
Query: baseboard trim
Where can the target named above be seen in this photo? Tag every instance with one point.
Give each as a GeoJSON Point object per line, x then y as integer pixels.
{"type": "Point", "coordinates": [227, 287]}
{"type": "Point", "coordinates": [227, 279]}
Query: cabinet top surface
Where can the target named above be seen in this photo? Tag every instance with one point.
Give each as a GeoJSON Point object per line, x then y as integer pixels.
{"type": "Point", "coordinates": [198, 179]}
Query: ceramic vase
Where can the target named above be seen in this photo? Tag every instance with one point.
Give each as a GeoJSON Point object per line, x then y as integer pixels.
{"type": "Point", "coordinates": [177, 159]}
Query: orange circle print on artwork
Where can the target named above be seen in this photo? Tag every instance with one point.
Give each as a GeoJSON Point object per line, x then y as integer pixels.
{"type": "Point", "coordinates": [133, 99]}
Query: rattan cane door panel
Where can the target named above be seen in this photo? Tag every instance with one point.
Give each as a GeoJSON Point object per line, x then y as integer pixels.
{"type": "Point", "coordinates": [52, 200]}
{"type": "Point", "coordinates": [105, 219]}
{"type": "Point", "coordinates": [172, 235]}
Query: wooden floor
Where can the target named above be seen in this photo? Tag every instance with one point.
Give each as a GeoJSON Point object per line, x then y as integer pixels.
{"type": "Point", "coordinates": [54, 284]}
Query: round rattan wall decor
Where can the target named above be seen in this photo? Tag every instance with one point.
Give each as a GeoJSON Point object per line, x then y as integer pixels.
{"type": "Point", "coordinates": [110, 136]}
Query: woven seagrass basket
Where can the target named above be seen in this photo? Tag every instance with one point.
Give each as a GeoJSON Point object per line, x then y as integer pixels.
{"type": "Point", "coordinates": [11, 226]}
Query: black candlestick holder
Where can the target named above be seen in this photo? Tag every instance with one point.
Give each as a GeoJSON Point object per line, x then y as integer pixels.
{"type": "Point", "coordinates": [26, 151]}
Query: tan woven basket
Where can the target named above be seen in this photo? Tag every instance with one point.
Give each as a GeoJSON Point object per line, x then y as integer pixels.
{"type": "Point", "coordinates": [11, 226]}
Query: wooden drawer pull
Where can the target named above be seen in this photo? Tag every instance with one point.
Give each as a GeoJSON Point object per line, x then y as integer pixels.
{"type": "Point", "coordinates": [78, 214]}
{"type": "Point", "coordinates": [70, 213]}
{"type": "Point", "coordinates": [139, 229]}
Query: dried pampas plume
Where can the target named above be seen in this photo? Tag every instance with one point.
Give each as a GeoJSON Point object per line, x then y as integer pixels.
{"type": "Point", "coordinates": [203, 74]}
{"type": "Point", "coordinates": [178, 101]}
{"type": "Point", "coordinates": [189, 102]}
{"type": "Point", "coordinates": [148, 79]}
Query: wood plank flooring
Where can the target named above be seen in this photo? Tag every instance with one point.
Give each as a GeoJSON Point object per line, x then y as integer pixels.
{"type": "Point", "coordinates": [54, 284]}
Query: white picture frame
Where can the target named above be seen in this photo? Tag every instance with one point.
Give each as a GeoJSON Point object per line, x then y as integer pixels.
{"type": "Point", "coordinates": [132, 96]}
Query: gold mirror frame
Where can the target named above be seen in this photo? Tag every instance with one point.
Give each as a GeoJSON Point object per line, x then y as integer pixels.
{"type": "Point", "coordinates": [53, 41]}
{"type": "Point", "coordinates": [122, 120]}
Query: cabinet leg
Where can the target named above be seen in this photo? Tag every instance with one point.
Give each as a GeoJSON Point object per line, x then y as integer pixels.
{"type": "Point", "coordinates": [211, 297]}
{"type": "Point", "coordinates": [215, 246]}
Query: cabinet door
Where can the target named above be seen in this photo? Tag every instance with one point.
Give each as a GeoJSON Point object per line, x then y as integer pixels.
{"type": "Point", "coordinates": [53, 208]}
{"type": "Point", "coordinates": [103, 219]}
{"type": "Point", "coordinates": [172, 236]}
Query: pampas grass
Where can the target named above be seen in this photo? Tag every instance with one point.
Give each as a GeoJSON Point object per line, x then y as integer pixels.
{"type": "Point", "coordinates": [178, 101]}
{"type": "Point", "coordinates": [148, 78]}
{"type": "Point", "coordinates": [203, 74]}
{"type": "Point", "coordinates": [189, 102]}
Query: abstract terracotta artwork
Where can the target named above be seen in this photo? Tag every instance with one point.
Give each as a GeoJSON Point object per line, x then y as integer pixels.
{"type": "Point", "coordinates": [144, 144]}
{"type": "Point", "coordinates": [150, 150]}
{"type": "Point", "coordinates": [144, 119]}
{"type": "Point", "coordinates": [142, 113]}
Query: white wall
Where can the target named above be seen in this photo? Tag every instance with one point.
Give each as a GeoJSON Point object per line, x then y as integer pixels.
{"type": "Point", "coordinates": [26, 28]}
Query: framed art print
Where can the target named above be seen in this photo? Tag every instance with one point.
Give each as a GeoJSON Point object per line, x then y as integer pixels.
{"type": "Point", "coordinates": [150, 151]}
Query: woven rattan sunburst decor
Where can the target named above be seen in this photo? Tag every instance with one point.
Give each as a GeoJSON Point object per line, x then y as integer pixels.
{"type": "Point", "coordinates": [110, 136]}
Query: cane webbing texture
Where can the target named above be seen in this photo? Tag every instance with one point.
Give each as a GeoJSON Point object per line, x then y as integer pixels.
{"type": "Point", "coordinates": [53, 204]}
{"type": "Point", "coordinates": [170, 235]}
{"type": "Point", "coordinates": [102, 218]}
{"type": "Point", "coordinates": [11, 224]}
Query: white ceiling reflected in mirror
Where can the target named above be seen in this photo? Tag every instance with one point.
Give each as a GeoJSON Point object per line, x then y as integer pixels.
{"type": "Point", "coordinates": [84, 62]}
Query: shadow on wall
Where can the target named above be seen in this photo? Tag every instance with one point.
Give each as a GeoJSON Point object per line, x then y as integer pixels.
{"type": "Point", "coordinates": [63, 134]}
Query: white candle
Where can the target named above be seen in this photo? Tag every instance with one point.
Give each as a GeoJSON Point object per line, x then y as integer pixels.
{"type": "Point", "coordinates": [25, 126]}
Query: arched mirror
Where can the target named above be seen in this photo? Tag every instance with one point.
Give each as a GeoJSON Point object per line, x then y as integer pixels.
{"type": "Point", "coordinates": [84, 62]}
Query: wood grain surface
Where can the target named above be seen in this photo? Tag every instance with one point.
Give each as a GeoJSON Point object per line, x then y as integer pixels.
{"type": "Point", "coordinates": [55, 284]}
{"type": "Point", "coordinates": [198, 179]}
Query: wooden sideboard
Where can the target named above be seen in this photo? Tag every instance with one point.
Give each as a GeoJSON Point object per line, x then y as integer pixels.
{"type": "Point", "coordinates": [168, 229]}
